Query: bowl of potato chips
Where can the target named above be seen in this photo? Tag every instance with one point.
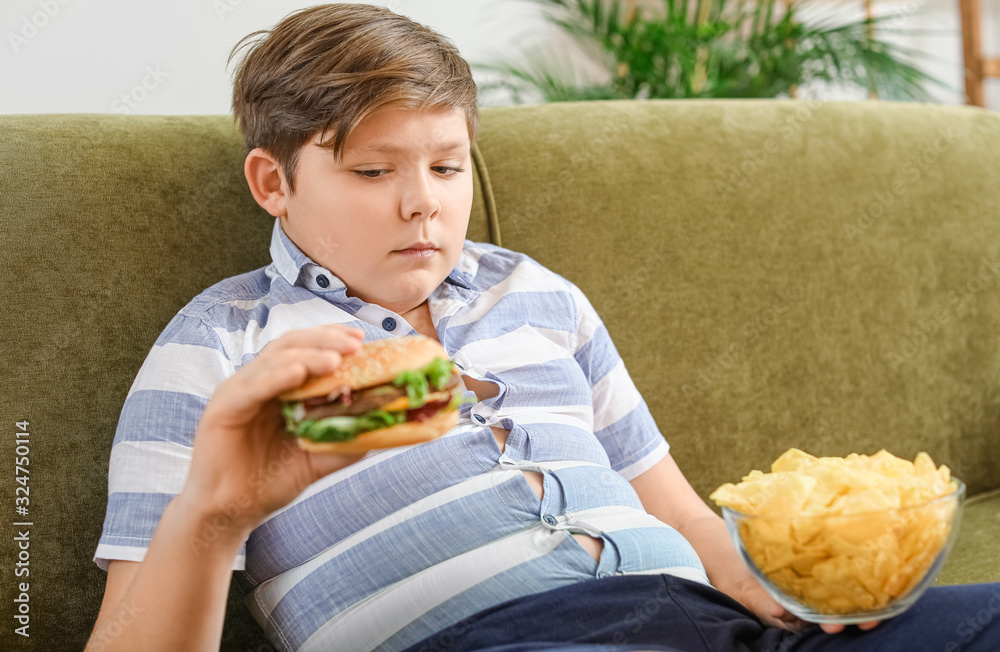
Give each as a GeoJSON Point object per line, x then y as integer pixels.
{"type": "Point", "coordinates": [844, 539]}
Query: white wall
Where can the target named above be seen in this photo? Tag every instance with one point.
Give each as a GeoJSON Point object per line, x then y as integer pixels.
{"type": "Point", "coordinates": [169, 57]}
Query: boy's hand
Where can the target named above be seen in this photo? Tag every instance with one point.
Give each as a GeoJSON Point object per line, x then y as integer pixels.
{"type": "Point", "coordinates": [833, 629]}
{"type": "Point", "coordinates": [244, 466]}
{"type": "Point", "coordinates": [755, 598]}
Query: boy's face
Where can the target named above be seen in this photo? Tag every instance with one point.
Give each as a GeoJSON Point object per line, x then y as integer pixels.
{"type": "Point", "coordinates": [390, 218]}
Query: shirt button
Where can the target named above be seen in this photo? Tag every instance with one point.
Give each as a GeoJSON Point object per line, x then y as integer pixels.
{"type": "Point", "coordinates": [550, 519]}
{"type": "Point", "coordinates": [480, 418]}
{"type": "Point", "coordinates": [389, 324]}
{"type": "Point", "coordinates": [322, 281]}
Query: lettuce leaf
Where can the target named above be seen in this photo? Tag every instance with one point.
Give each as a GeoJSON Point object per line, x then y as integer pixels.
{"type": "Point", "coordinates": [345, 428]}
{"type": "Point", "coordinates": [418, 382]}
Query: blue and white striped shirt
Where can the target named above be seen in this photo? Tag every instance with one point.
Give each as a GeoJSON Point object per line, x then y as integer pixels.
{"type": "Point", "coordinates": [407, 541]}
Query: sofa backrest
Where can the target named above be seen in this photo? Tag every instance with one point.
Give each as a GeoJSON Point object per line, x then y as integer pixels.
{"type": "Point", "coordinates": [775, 274]}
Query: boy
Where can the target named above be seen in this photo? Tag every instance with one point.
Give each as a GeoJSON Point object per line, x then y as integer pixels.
{"type": "Point", "coordinates": [553, 504]}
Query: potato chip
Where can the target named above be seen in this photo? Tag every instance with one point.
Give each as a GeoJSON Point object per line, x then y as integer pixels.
{"type": "Point", "coordinates": [843, 535]}
{"type": "Point", "coordinates": [792, 460]}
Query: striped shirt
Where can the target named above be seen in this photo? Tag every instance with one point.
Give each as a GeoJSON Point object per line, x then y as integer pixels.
{"type": "Point", "coordinates": [409, 540]}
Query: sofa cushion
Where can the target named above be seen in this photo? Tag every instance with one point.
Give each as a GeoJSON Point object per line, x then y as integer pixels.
{"type": "Point", "coordinates": [974, 557]}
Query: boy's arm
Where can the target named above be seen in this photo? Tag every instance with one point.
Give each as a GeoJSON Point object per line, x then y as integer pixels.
{"type": "Point", "coordinates": [666, 494]}
{"type": "Point", "coordinates": [175, 598]}
{"type": "Point", "coordinates": [662, 488]}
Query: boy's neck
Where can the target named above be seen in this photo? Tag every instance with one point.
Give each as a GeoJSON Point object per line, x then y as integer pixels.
{"type": "Point", "coordinates": [420, 319]}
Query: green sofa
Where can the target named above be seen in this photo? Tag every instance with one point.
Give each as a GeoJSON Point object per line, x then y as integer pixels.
{"type": "Point", "coordinates": [775, 274]}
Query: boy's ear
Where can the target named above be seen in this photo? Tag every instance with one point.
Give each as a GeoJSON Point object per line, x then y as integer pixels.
{"type": "Point", "coordinates": [267, 182]}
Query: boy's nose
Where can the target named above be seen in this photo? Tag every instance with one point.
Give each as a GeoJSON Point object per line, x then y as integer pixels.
{"type": "Point", "coordinates": [419, 200]}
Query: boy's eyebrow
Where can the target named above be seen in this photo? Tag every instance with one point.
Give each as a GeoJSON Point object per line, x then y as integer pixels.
{"type": "Point", "coordinates": [388, 148]}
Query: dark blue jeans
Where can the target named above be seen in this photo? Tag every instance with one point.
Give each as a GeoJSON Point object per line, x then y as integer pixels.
{"type": "Point", "coordinates": [661, 612]}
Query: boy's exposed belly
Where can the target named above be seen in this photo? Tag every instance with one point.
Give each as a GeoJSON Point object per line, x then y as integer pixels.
{"type": "Point", "coordinates": [484, 390]}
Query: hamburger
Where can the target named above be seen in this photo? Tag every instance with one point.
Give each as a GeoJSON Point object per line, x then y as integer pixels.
{"type": "Point", "coordinates": [391, 392]}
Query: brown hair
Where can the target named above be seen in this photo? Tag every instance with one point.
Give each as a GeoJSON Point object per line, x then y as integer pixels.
{"type": "Point", "coordinates": [325, 69]}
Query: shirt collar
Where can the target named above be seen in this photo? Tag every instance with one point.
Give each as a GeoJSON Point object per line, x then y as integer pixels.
{"type": "Point", "coordinates": [288, 259]}
{"type": "Point", "coordinates": [461, 276]}
{"type": "Point", "coordinates": [297, 268]}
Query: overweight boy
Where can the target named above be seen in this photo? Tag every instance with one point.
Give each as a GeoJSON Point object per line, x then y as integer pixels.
{"type": "Point", "coordinates": [552, 516]}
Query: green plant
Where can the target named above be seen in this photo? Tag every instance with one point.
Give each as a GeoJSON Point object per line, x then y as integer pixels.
{"type": "Point", "coordinates": [711, 49]}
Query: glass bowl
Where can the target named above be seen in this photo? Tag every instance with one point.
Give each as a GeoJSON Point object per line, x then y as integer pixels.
{"type": "Point", "coordinates": [848, 569]}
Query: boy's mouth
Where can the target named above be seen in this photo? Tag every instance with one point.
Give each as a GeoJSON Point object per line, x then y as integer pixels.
{"type": "Point", "coordinates": [418, 250]}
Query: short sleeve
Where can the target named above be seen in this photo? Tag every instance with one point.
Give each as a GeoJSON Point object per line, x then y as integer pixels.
{"type": "Point", "coordinates": [152, 448]}
{"type": "Point", "coordinates": [622, 421]}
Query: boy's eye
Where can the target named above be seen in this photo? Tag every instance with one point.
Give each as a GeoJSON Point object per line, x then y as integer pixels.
{"type": "Point", "coordinates": [447, 170]}
{"type": "Point", "coordinates": [369, 174]}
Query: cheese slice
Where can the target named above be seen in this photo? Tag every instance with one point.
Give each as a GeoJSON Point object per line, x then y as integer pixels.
{"type": "Point", "coordinates": [403, 402]}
